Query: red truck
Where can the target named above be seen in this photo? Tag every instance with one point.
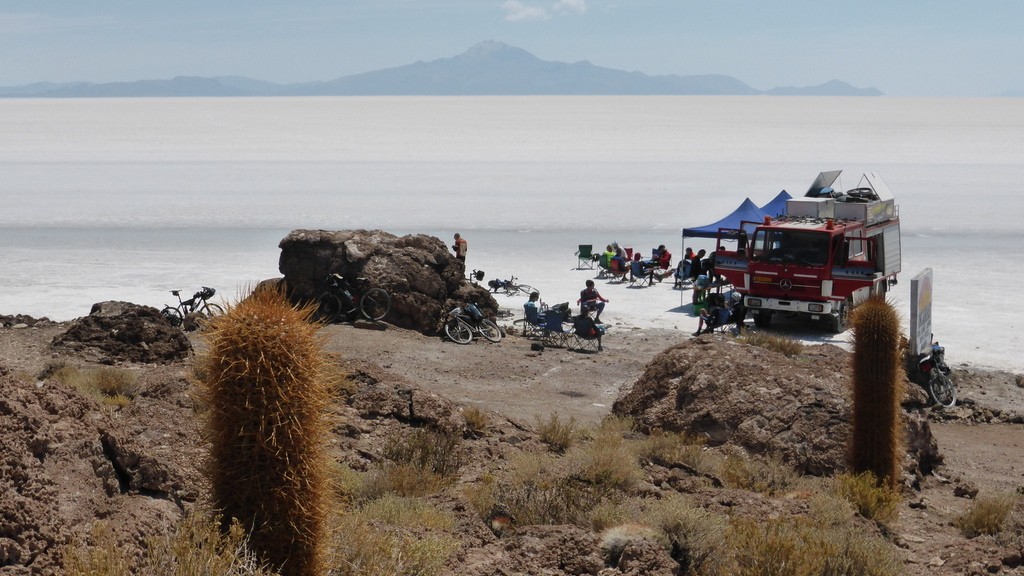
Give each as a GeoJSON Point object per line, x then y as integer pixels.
{"type": "Point", "coordinates": [830, 251]}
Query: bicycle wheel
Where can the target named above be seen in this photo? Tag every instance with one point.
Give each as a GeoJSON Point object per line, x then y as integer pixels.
{"type": "Point", "coordinates": [458, 331]}
{"type": "Point", "coordinates": [489, 330]}
{"type": "Point", "coordinates": [173, 315]}
{"type": "Point", "coordinates": [525, 289]}
{"type": "Point", "coordinates": [941, 389]}
{"type": "Point", "coordinates": [211, 310]}
{"type": "Point", "coordinates": [375, 304]}
{"type": "Point", "coordinates": [328, 308]}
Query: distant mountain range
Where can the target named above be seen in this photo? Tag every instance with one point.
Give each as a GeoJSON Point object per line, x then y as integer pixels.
{"type": "Point", "coordinates": [489, 68]}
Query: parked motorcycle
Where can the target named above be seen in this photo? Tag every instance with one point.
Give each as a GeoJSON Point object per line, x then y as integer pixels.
{"type": "Point", "coordinates": [932, 367]}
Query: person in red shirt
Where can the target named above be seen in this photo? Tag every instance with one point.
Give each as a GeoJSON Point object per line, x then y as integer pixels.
{"type": "Point", "coordinates": [591, 299]}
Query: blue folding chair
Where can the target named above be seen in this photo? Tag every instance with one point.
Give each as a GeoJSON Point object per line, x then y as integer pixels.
{"type": "Point", "coordinates": [554, 331]}
{"type": "Point", "coordinates": [638, 276]}
{"type": "Point", "coordinates": [534, 323]}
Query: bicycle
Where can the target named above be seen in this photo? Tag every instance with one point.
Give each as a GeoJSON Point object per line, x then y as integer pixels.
{"type": "Point", "coordinates": [343, 300]}
{"type": "Point", "coordinates": [475, 277]}
{"type": "Point", "coordinates": [197, 304]}
{"type": "Point", "coordinates": [462, 323]}
{"type": "Point", "coordinates": [511, 287]}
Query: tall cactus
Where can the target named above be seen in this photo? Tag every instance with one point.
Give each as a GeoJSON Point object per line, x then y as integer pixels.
{"type": "Point", "coordinates": [261, 379]}
{"type": "Point", "coordinates": [877, 442]}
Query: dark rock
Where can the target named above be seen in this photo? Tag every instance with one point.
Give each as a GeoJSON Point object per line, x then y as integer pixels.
{"type": "Point", "coordinates": [122, 331]}
{"type": "Point", "coordinates": [794, 408]}
{"type": "Point", "coordinates": [422, 277]}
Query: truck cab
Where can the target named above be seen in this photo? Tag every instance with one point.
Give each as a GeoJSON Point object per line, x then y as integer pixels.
{"type": "Point", "coordinates": [830, 251]}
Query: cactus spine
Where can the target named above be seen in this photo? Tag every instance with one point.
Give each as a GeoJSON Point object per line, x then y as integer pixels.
{"type": "Point", "coordinates": [261, 380]}
{"type": "Point", "coordinates": [877, 443]}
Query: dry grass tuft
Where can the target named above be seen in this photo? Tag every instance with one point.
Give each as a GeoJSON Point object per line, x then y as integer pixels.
{"type": "Point", "coordinates": [107, 385]}
{"type": "Point", "coordinates": [694, 536]}
{"type": "Point", "coordinates": [874, 502]}
{"type": "Point", "coordinates": [673, 448]}
{"type": "Point", "coordinates": [987, 515]}
{"type": "Point", "coordinates": [365, 547]}
{"type": "Point", "coordinates": [197, 547]}
{"type": "Point", "coordinates": [768, 476]}
{"type": "Point", "coordinates": [799, 547]}
{"type": "Point", "coordinates": [780, 344]}
{"type": "Point", "coordinates": [558, 435]}
{"type": "Point", "coordinates": [476, 421]}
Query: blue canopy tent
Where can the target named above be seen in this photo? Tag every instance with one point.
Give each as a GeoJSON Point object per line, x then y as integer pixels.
{"type": "Point", "coordinates": [778, 204]}
{"type": "Point", "coordinates": [745, 211]}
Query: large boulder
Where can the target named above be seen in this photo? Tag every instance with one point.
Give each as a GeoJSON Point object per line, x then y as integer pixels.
{"type": "Point", "coordinates": [121, 331]}
{"type": "Point", "coordinates": [417, 270]}
{"type": "Point", "coordinates": [794, 408]}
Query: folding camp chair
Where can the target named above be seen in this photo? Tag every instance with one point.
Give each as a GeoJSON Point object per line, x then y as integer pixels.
{"type": "Point", "coordinates": [585, 257]}
{"type": "Point", "coordinates": [604, 265]}
{"type": "Point", "coordinates": [584, 338]}
{"type": "Point", "coordinates": [555, 334]}
{"type": "Point", "coordinates": [617, 270]}
{"type": "Point", "coordinates": [639, 276]}
{"type": "Point", "coordinates": [534, 324]}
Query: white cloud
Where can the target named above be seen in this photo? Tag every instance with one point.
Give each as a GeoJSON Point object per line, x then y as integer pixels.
{"type": "Point", "coordinates": [516, 11]}
{"type": "Point", "coordinates": [573, 6]}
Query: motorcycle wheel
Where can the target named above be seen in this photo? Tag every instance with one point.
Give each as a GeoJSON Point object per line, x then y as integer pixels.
{"type": "Point", "coordinates": [941, 389]}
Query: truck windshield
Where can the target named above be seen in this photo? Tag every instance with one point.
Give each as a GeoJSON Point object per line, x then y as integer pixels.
{"type": "Point", "coordinates": [791, 247]}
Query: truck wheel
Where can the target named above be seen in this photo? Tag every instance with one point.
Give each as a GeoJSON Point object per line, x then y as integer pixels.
{"type": "Point", "coordinates": [841, 317]}
{"type": "Point", "coordinates": [763, 319]}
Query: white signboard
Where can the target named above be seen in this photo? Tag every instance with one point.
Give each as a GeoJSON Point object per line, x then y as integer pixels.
{"type": "Point", "coordinates": [921, 311]}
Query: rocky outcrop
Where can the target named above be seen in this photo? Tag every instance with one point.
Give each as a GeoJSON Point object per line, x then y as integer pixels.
{"type": "Point", "coordinates": [65, 464]}
{"type": "Point", "coordinates": [417, 270]}
{"type": "Point", "coordinates": [794, 408]}
{"type": "Point", "coordinates": [125, 332]}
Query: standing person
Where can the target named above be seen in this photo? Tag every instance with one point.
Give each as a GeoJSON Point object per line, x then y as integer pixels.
{"type": "Point", "coordinates": [696, 264]}
{"type": "Point", "coordinates": [591, 299]}
{"type": "Point", "coordinates": [460, 247]}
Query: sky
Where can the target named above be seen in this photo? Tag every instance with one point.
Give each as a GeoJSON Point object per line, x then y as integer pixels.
{"type": "Point", "coordinates": [901, 47]}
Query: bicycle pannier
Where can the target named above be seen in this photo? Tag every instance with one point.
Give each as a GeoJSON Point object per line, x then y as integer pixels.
{"type": "Point", "coordinates": [474, 312]}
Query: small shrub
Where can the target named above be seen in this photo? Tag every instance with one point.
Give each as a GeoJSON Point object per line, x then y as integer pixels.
{"type": "Point", "coordinates": [558, 435]}
{"type": "Point", "coordinates": [874, 502]}
{"type": "Point", "coordinates": [361, 547]}
{"type": "Point", "coordinates": [535, 491]}
{"type": "Point", "coordinates": [780, 344]}
{"type": "Point", "coordinates": [197, 547]}
{"type": "Point", "coordinates": [768, 476]}
{"type": "Point", "coordinates": [986, 515]}
{"type": "Point", "coordinates": [106, 384]}
{"type": "Point", "coordinates": [476, 421]}
{"type": "Point", "coordinates": [407, 513]}
{"type": "Point", "coordinates": [667, 449]}
{"type": "Point", "coordinates": [401, 480]}
{"type": "Point", "coordinates": [438, 451]}
{"type": "Point", "coordinates": [800, 547]}
{"type": "Point", "coordinates": [694, 536]}
{"type": "Point", "coordinates": [559, 501]}
{"type": "Point", "coordinates": [613, 513]}
{"type": "Point", "coordinates": [345, 482]}
{"type": "Point", "coordinates": [607, 461]}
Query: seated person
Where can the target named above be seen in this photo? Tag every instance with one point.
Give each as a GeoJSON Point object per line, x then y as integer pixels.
{"type": "Point", "coordinates": [664, 257]}
{"type": "Point", "coordinates": [534, 309]}
{"type": "Point", "coordinates": [587, 328]}
{"type": "Point", "coordinates": [713, 316]}
{"type": "Point", "coordinates": [682, 273]}
{"type": "Point", "coordinates": [591, 299]}
{"type": "Point", "coordinates": [641, 268]}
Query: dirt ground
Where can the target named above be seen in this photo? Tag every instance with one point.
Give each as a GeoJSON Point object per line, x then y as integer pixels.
{"type": "Point", "coordinates": [982, 439]}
